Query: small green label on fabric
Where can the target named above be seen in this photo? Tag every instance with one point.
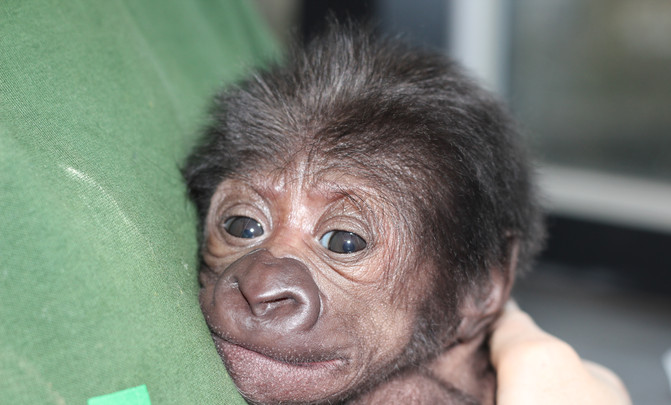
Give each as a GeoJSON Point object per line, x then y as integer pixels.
{"type": "Point", "coordinates": [131, 396]}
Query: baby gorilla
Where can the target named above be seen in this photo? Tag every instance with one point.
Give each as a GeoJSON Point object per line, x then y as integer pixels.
{"type": "Point", "coordinates": [364, 208]}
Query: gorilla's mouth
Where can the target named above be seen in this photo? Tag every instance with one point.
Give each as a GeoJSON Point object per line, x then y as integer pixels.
{"type": "Point", "coordinates": [279, 377]}
{"type": "Point", "coordinates": [224, 347]}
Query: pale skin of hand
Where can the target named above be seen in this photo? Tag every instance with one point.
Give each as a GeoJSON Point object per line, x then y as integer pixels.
{"type": "Point", "coordinates": [534, 367]}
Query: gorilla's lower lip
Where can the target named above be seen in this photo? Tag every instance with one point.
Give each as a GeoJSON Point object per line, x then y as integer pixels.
{"type": "Point", "coordinates": [282, 378]}
{"type": "Point", "coordinates": [224, 347]}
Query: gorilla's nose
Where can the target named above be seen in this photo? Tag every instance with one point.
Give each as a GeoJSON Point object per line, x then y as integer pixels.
{"type": "Point", "coordinates": [280, 294]}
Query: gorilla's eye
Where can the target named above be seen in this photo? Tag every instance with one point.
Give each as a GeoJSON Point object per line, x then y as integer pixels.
{"type": "Point", "coordinates": [243, 227]}
{"type": "Point", "coordinates": [342, 242]}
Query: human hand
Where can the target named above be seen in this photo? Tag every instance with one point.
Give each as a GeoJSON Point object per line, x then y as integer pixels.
{"type": "Point", "coordinates": [534, 367]}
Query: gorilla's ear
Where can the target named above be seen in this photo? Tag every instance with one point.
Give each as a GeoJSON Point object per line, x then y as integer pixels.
{"type": "Point", "coordinates": [481, 306]}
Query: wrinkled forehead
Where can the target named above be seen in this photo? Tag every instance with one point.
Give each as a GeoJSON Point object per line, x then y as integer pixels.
{"type": "Point", "coordinates": [323, 184]}
{"type": "Point", "coordinates": [324, 168]}
{"type": "Point", "coordinates": [327, 183]}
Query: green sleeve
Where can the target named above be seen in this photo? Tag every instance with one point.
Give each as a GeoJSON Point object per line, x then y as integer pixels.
{"type": "Point", "coordinates": [100, 102]}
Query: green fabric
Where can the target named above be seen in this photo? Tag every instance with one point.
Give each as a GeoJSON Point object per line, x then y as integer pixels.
{"type": "Point", "coordinates": [100, 102]}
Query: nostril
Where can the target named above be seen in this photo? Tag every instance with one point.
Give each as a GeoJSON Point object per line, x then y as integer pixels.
{"type": "Point", "coordinates": [273, 306]}
{"type": "Point", "coordinates": [280, 301]}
